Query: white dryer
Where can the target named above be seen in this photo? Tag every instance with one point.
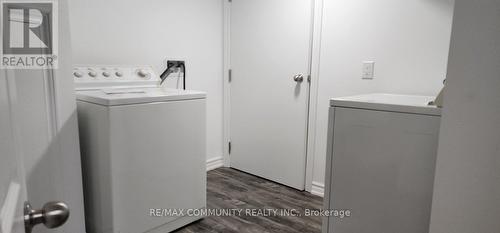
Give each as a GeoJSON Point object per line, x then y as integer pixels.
{"type": "Point", "coordinates": [143, 150]}
{"type": "Point", "coordinates": [380, 163]}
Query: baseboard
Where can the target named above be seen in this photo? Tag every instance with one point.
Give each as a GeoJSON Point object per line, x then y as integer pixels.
{"type": "Point", "coordinates": [214, 163]}
{"type": "Point", "coordinates": [175, 224]}
{"type": "Point", "coordinates": [318, 189]}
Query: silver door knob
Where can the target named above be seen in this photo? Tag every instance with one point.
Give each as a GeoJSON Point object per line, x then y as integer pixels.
{"type": "Point", "coordinates": [298, 78]}
{"type": "Point", "coordinates": [52, 215]}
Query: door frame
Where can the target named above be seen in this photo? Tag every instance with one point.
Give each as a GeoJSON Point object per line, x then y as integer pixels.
{"type": "Point", "coordinates": [314, 62]}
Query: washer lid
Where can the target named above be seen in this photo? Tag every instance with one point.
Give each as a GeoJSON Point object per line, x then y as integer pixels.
{"type": "Point", "coordinates": [125, 96]}
{"type": "Point", "coordinates": [389, 102]}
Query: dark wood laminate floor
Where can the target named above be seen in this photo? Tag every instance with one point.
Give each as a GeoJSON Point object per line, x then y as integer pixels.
{"type": "Point", "coordinates": [228, 188]}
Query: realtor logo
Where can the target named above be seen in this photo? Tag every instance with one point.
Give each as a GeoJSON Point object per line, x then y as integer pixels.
{"type": "Point", "coordinates": [29, 34]}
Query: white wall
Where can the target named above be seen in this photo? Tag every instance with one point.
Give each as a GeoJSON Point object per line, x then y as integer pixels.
{"type": "Point", "coordinates": [467, 183]}
{"type": "Point", "coordinates": [148, 32]}
{"type": "Point", "coordinates": [408, 40]}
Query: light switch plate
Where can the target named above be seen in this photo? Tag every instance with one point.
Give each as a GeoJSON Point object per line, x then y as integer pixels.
{"type": "Point", "coordinates": [368, 71]}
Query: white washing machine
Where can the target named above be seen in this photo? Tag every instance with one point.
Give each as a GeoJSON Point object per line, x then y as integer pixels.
{"type": "Point", "coordinates": [143, 150]}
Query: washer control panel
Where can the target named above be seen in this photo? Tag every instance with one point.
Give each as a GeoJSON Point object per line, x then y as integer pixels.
{"type": "Point", "coordinates": [89, 77]}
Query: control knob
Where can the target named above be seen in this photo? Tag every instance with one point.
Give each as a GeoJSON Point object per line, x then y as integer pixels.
{"type": "Point", "coordinates": [142, 73]}
{"type": "Point", "coordinates": [78, 74]}
{"type": "Point", "coordinates": [92, 74]}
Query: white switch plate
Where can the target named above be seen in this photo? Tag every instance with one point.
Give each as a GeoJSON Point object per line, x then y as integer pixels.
{"type": "Point", "coordinates": [368, 70]}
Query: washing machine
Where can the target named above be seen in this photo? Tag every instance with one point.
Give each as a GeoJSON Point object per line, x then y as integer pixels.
{"type": "Point", "coordinates": [143, 150]}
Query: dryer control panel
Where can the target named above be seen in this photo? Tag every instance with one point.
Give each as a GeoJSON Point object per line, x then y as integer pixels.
{"type": "Point", "coordinates": [90, 77]}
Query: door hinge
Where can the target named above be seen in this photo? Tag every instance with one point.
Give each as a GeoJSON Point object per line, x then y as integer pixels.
{"type": "Point", "coordinates": [230, 75]}
{"type": "Point", "coordinates": [229, 147]}
{"type": "Point", "coordinates": [309, 78]}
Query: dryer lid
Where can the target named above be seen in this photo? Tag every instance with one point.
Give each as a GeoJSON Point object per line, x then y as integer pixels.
{"type": "Point", "coordinates": [389, 102]}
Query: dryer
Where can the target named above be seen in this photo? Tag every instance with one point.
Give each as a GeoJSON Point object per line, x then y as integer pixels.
{"type": "Point", "coordinates": [380, 166]}
{"type": "Point", "coordinates": [143, 150]}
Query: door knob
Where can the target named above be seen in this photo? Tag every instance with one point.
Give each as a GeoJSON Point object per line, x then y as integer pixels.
{"type": "Point", "coordinates": [298, 78]}
{"type": "Point", "coordinates": [52, 215]}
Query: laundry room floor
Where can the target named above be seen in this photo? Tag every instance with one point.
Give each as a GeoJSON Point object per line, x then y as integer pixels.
{"type": "Point", "coordinates": [231, 189]}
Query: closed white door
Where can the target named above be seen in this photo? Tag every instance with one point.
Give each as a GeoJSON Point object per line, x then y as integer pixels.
{"type": "Point", "coordinates": [17, 215]}
{"type": "Point", "coordinates": [12, 181]}
{"type": "Point", "coordinates": [40, 157]}
{"type": "Point", "coordinates": [270, 50]}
